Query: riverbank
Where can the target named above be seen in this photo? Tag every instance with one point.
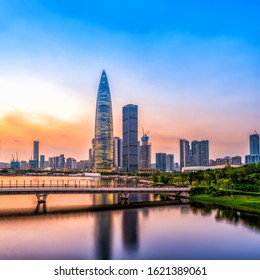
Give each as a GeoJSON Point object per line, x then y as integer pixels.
{"type": "Point", "coordinates": [240, 202]}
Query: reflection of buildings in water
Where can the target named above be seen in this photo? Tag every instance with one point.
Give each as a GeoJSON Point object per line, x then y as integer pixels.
{"type": "Point", "coordinates": [103, 230]}
{"type": "Point", "coordinates": [103, 235]}
{"type": "Point", "coordinates": [130, 230]}
{"type": "Point", "coordinates": [103, 198]}
{"type": "Point", "coordinates": [139, 197]}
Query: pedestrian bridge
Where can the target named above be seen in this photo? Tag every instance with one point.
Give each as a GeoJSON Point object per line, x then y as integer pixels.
{"type": "Point", "coordinates": [42, 192]}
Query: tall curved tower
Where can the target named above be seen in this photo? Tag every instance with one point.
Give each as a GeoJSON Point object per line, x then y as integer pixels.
{"type": "Point", "coordinates": [103, 146]}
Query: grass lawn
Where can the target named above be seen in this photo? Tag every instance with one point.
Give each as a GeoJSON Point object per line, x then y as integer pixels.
{"type": "Point", "coordinates": [240, 202]}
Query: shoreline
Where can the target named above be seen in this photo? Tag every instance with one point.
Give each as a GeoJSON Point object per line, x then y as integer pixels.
{"type": "Point", "coordinates": [245, 203]}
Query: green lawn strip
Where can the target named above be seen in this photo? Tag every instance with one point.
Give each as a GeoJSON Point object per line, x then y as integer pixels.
{"type": "Point", "coordinates": [239, 202]}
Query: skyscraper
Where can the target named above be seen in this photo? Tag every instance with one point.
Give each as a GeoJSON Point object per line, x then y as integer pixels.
{"type": "Point", "coordinates": [184, 152]}
{"type": "Point", "coordinates": [117, 152]}
{"type": "Point", "coordinates": [145, 152]}
{"type": "Point", "coordinates": [198, 155]}
{"type": "Point", "coordinates": [103, 146]}
{"type": "Point", "coordinates": [130, 137]}
{"type": "Point", "coordinates": [254, 156]}
{"type": "Point", "coordinates": [254, 144]}
{"type": "Point", "coordinates": [36, 152]}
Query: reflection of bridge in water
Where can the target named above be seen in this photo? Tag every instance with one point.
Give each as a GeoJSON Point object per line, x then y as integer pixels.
{"type": "Point", "coordinates": [43, 191]}
{"type": "Point", "coordinates": [43, 210]}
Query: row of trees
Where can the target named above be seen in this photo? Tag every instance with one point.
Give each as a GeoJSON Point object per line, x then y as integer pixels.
{"type": "Point", "coordinates": [245, 178]}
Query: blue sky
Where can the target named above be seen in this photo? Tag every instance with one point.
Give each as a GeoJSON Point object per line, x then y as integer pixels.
{"type": "Point", "coordinates": [193, 69]}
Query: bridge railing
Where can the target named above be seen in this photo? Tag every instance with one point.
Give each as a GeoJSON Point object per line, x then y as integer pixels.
{"type": "Point", "coordinates": [46, 183]}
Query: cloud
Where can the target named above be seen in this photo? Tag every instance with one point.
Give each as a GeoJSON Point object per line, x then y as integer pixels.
{"type": "Point", "coordinates": [56, 136]}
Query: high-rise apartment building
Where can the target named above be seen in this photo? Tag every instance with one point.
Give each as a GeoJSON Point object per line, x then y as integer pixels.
{"type": "Point", "coordinates": [42, 161]}
{"type": "Point", "coordinates": [184, 153]}
{"type": "Point", "coordinates": [36, 152]}
{"type": "Point", "coordinates": [160, 162]}
{"type": "Point", "coordinates": [130, 137]}
{"type": "Point", "coordinates": [71, 163]}
{"type": "Point", "coordinates": [145, 152]}
{"type": "Point", "coordinates": [169, 162]}
{"type": "Point", "coordinates": [103, 147]}
{"type": "Point", "coordinates": [118, 152]}
{"type": "Point", "coordinates": [200, 153]}
{"type": "Point", "coordinates": [61, 161]}
{"type": "Point", "coordinates": [197, 155]}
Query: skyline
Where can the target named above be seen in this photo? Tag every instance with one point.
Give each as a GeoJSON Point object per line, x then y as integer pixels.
{"type": "Point", "coordinates": [194, 69]}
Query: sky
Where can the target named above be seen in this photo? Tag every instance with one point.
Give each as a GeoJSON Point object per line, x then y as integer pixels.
{"type": "Point", "coordinates": [192, 67]}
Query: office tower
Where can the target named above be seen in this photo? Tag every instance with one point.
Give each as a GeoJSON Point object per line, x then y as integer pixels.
{"type": "Point", "coordinates": [103, 151]}
{"type": "Point", "coordinates": [254, 156]}
{"type": "Point", "coordinates": [169, 162]}
{"type": "Point", "coordinates": [184, 152]}
{"type": "Point", "coordinates": [130, 137]}
{"type": "Point", "coordinates": [36, 152]}
{"type": "Point", "coordinates": [145, 152]}
{"type": "Point", "coordinates": [42, 161]}
{"type": "Point", "coordinates": [254, 144]}
{"type": "Point", "coordinates": [160, 162]}
{"type": "Point", "coordinates": [118, 152]}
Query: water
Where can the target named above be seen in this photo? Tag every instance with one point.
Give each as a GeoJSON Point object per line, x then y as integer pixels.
{"type": "Point", "coordinates": [98, 226]}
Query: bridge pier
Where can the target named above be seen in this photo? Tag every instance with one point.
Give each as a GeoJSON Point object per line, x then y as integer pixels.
{"type": "Point", "coordinates": [41, 197]}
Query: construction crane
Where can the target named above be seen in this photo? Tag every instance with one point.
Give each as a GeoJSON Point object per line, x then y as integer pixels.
{"type": "Point", "coordinates": [145, 133]}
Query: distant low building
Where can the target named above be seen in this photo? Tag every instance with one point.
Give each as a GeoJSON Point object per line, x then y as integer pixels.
{"type": "Point", "coordinates": [197, 168]}
{"type": "Point", "coordinates": [228, 160]}
{"type": "Point", "coordinates": [4, 165]}
{"type": "Point", "coordinates": [15, 165]}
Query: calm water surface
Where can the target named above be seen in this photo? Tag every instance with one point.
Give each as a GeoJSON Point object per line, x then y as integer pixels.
{"type": "Point", "coordinates": [77, 227]}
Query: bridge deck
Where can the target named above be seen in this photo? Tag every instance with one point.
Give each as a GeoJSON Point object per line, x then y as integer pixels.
{"type": "Point", "coordinates": [75, 190]}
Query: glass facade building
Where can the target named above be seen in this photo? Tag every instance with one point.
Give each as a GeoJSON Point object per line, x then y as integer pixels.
{"type": "Point", "coordinates": [36, 152]}
{"type": "Point", "coordinates": [254, 156]}
{"type": "Point", "coordinates": [103, 143]}
{"type": "Point", "coordinates": [254, 144]}
{"type": "Point", "coordinates": [160, 162]}
{"type": "Point", "coordinates": [130, 137]}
